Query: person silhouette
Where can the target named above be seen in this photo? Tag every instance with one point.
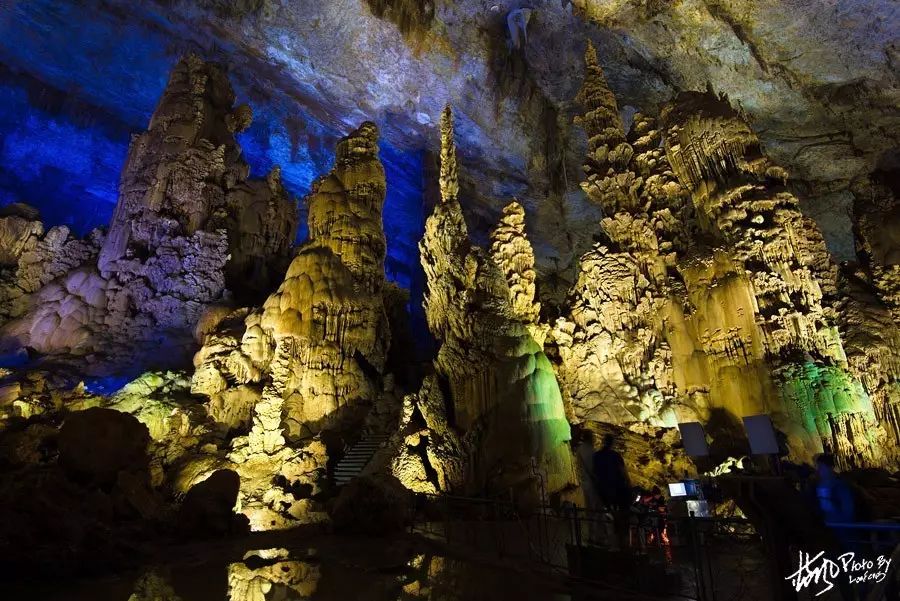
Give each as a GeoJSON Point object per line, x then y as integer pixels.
{"type": "Point", "coordinates": [613, 485]}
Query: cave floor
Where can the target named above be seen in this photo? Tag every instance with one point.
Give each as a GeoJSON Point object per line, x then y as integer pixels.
{"type": "Point", "coordinates": [316, 565]}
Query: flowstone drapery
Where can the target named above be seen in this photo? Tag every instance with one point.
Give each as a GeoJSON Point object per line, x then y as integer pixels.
{"type": "Point", "coordinates": [710, 296]}
{"type": "Point", "coordinates": [481, 307]}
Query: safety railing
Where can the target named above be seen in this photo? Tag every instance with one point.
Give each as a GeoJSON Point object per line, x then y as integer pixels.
{"type": "Point", "coordinates": [692, 558]}
{"type": "Point", "coordinates": [873, 568]}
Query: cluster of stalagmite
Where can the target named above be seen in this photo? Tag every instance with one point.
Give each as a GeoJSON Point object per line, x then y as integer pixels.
{"type": "Point", "coordinates": [310, 358]}
{"type": "Point", "coordinates": [615, 363]}
{"type": "Point", "coordinates": [481, 308]}
{"type": "Point", "coordinates": [188, 227]}
{"type": "Point", "coordinates": [710, 296]}
{"type": "Point", "coordinates": [798, 349]}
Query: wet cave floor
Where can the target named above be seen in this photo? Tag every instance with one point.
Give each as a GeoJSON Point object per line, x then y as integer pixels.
{"type": "Point", "coordinates": [301, 565]}
{"type": "Point", "coordinates": [295, 565]}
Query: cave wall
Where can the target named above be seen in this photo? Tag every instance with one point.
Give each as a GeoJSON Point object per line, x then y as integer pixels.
{"type": "Point", "coordinates": [77, 82]}
{"type": "Point", "coordinates": [709, 296]}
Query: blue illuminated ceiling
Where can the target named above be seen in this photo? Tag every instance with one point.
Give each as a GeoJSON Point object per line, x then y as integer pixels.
{"type": "Point", "coordinates": [78, 77]}
{"type": "Point", "coordinates": [74, 88]}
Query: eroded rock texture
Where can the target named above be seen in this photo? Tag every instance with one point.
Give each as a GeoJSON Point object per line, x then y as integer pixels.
{"type": "Point", "coordinates": [31, 257]}
{"type": "Point", "coordinates": [310, 358]}
{"type": "Point", "coordinates": [709, 294]}
{"type": "Point", "coordinates": [616, 364]}
{"type": "Point", "coordinates": [481, 307]}
{"type": "Point", "coordinates": [188, 226]}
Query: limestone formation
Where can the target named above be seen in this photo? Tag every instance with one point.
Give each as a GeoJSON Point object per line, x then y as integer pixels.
{"type": "Point", "coordinates": [313, 340]}
{"type": "Point", "coordinates": [709, 294]}
{"type": "Point", "coordinates": [309, 359]}
{"type": "Point", "coordinates": [188, 225]}
{"type": "Point", "coordinates": [482, 310]}
{"type": "Point", "coordinates": [741, 202]}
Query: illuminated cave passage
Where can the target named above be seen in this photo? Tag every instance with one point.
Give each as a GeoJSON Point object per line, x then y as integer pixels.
{"type": "Point", "coordinates": [390, 298]}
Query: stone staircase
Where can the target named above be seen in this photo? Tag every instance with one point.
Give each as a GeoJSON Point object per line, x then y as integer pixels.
{"type": "Point", "coordinates": [358, 457]}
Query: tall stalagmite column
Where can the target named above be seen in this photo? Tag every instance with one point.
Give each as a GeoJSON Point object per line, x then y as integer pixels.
{"type": "Point", "coordinates": [311, 358]}
{"type": "Point", "coordinates": [187, 225]}
{"type": "Point", "coordinates": [482, 310]}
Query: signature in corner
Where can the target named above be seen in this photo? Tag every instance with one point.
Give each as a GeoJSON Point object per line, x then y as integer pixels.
{"type": "Point", "coordinates": [808, 573]}
{"type": "Point", "coordinates": [818, 569]}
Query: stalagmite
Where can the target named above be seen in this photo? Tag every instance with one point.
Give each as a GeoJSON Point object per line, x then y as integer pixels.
{"type": "Point", "coordinates": [188, 224]}
{"type": "Point", "coordinates": [482, 309]}
{"type": "Point", "coordinates": [317, 346]}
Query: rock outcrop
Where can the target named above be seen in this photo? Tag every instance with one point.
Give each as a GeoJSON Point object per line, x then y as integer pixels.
{"type": "Point", "coordinates": [709, 295]}
{"type": "Point", "coordinates": [188, 226]}
{"type": "Point", "coordinates": [96, 444]}
{"type": "Point", "coordinates": [310, 359]}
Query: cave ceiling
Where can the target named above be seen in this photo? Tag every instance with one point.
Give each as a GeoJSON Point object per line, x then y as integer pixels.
{"type": "Point", "coordinates": [817, 81]}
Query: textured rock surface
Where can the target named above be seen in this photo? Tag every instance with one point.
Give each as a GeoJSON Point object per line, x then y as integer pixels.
{"type": "Point", "coordinates": [615, 362]}
{"type": "Point", "coordinates": [682, 282]}
{"type": "Point", "coordinates": [187, 224]}
{"type": "Point", "coordinates": [482, 310]}
{"type": "Point", "coordinates": [309, 346]}
{"type": "Point", "coordinates": [31, 257]}
{"type": "Point", "coordinates": [718, 304]}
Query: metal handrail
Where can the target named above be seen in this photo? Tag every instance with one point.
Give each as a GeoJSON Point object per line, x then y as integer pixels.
{"type": "Point", "coordinates": [886, 526]}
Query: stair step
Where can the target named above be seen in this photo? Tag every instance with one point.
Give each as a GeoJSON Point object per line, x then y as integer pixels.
{"type": "Point", "coordinates": [357, 457]}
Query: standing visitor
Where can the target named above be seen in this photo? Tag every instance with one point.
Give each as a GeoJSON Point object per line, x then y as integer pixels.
{"type": "Point", "coordinates": [614, 486]}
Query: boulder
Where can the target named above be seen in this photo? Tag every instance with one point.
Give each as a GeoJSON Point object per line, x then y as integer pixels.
{"type": "Point", "coordinates": [374, 505]}
{"type": "Point", "coordinates": [97, 443]}
{"type": "Point", "coordinates": [208, 507]}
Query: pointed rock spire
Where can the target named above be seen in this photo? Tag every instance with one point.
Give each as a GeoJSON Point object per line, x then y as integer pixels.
{"type": "Point", "coordinates": [449, 179]}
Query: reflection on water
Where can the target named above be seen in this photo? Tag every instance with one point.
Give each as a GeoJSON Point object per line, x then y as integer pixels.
{"type": "Point", "coordinates": [373, 570]}
{"type": "Point", "coordinates": [270, 574]}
